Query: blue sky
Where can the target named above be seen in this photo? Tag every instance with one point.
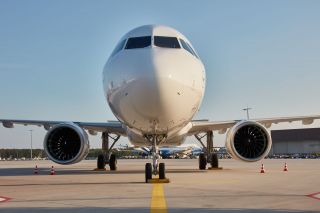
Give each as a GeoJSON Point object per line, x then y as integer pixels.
{"type": "Point", "coordinates": [261, 53]}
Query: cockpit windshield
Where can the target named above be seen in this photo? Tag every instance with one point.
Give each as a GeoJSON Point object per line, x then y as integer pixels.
{"type": "Point", "coordinates": [138, 42]}
{"type": "Point", "coordinates": [158, 41]}
{"type": "Point", "coordinates": [187, 47]}
{"type": "Point", "coordinates": [167, 42]}
{"type": "Point", "coordinates": [118, 47]}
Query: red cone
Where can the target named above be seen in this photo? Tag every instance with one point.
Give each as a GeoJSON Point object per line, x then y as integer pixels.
{"type": "Point", "coordinates": [262, 169]}
{"type": "Point", "coordinates": [52, 172]}
{"type": "Point", "coordinates": [35, 170]}
{"type": "Point", "coordinates": [285, 169]}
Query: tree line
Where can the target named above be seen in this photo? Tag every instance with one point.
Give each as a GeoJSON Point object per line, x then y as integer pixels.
{"type": "Point", "coordinates": [40, 153]}
{"type": "Point", "coordinates": [21, 153]}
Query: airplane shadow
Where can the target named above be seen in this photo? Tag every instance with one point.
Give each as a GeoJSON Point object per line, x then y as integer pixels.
{"type": "Point", "coordinates": [141, 210]}
{"type": "Point", "coordinates": [61, 171]}
{"type": "Point", "coordinates": [72, 183]}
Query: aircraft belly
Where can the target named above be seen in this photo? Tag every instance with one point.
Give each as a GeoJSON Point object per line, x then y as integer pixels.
{"type": "Point", "coordinates": [139, 108]}
{"type": "Point", "coordinates": [137, 139]}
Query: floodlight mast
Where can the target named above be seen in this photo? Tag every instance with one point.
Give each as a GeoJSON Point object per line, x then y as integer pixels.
{"type": "Point", "coordinates": [247, 110]}
{"type": "Point", "coordinates": [30, 143]}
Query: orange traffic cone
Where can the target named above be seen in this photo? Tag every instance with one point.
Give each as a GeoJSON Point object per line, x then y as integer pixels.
{"type": "Point", "coordinates": [285, 169]}
{"type": "Point", "coordinates": [262, 169]}
{"type": "Point", "coordinates": [35, 170]}
{"type": "Point", "coordinates": [52, 172]}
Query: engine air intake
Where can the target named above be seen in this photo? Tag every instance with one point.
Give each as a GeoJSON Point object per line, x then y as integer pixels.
{"type": "Point", "coordinates": [66, 143]}
{"type": "Point", "coordinates": [250, 141]}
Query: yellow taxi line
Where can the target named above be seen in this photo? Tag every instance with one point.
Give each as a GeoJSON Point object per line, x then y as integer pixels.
{"type": "Point", "coordinates": [158, 201]}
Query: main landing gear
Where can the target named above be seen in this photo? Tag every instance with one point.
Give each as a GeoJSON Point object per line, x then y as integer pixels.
{"type": "Point", "coordinates": [106, 157]}
{"type": "Point", "coordinates": [155, 168]}
{"type": "Point", "coordinates": [208, 155]}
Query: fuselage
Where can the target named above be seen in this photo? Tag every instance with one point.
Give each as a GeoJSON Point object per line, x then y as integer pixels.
{"type": "Point", "coordinates": [153, 83]}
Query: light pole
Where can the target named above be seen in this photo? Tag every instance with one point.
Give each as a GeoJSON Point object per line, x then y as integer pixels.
{"type": "Point", "coordinates": [31, 142]}
{"type": "Point", "coordinates": [247, 109]}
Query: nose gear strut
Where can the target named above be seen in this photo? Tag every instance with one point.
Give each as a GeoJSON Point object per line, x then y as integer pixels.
{"type": "Point", "coordinates": [155, 156]}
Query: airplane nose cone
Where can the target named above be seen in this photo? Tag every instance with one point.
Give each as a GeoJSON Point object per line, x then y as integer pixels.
{"type": "Point", "coordinates": [158, 92]}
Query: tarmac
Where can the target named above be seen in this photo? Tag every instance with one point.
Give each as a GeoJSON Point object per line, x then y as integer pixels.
{"type": "Point", "coordinates": [238, 187]}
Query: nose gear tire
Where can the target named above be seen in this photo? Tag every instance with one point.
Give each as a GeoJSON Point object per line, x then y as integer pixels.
{"type": "Point", "coordinates": [148, 172]}
{"type": "Point", "coordinates": [162, 171]}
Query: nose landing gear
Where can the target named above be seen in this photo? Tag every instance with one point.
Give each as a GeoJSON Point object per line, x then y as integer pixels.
{"type": "Point", "coordinates": [156, 168]}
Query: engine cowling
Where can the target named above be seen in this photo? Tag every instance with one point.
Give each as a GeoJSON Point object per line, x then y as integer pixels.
{"type": "Point", "coordinates": [66, 143]}
{"type": "Point", "coordinates": [248, 141]}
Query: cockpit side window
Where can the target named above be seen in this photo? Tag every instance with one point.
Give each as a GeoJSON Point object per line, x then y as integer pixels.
{"type": "Point", "coordinates": [187, 47]}
{"type": "Point", "coordinates": [118, 48]}
{"type": "Point", "coordinates": [166, 42]}
{"type": "Point", "coordinates": [138, 42]}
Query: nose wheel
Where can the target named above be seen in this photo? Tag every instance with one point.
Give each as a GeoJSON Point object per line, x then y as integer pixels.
{"type": "Point", "coordinates": [148, 172]}
{"type": "Point", "coordinates": [162, 171]}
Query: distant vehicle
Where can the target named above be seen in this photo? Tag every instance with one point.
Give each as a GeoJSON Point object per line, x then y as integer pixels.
{"type": "Point", "coordinates": [154, 83]}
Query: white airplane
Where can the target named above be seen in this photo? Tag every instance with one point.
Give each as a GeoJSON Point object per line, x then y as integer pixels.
{"type": "Point", "coordinates": [182, 151]}
{"type": "Point", "coordinates": [154, 82]}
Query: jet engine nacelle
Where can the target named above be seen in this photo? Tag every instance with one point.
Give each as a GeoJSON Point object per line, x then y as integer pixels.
{"type": "Point", "coordinates": [248, 141]}
{"type": "Point", "coordinates": [66, 143]}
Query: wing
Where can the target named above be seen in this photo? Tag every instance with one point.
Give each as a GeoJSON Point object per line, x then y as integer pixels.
{"type": "Point", "coordinates": [223, 126]}
{"type": "Point", "coordinates": [114, 127]}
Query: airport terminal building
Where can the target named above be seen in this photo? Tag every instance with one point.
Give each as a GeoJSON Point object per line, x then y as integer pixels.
{"type": "Point", "coordinates": [294, 141]}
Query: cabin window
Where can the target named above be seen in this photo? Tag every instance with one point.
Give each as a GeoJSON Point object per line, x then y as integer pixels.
{"type": "Point", "coordinates": [166, 42]}
{"type": "Point", "coordinates": [138, 42]}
